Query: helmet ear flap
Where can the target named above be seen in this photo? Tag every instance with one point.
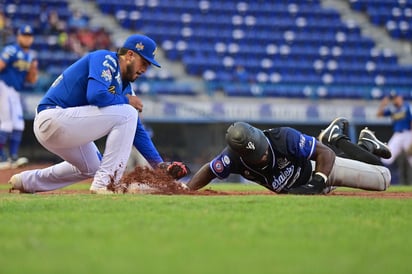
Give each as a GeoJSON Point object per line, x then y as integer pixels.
{"type": "Point", "coordinates": [247, 141]}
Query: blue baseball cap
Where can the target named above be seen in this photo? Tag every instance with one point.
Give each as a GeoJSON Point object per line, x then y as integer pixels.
{"type": "Point", "coordinates": [142, 45]}
{"type": "Point", "coordinates": [25, 30]}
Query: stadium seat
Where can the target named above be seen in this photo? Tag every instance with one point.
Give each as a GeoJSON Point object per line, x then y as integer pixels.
{"type": "Point", "coordinates": [297, 44]}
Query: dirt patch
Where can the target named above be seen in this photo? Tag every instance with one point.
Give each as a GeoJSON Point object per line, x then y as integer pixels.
{"type": "Point", "coordinates": [212, 192]}
{"type": "Point", "coordinates": [374, 194]}
{"type": "Point", "coordinates": [162, 184]}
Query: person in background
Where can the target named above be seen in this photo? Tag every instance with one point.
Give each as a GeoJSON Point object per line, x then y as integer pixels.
{"type": "Point", "coordinates": [395, 107]}
{"type": "Point", "coordinates": [6, 29]}
{"type": "Point", "coordinates": [78, 20]}
{"type": "Point", "coordinates": [17, 66]}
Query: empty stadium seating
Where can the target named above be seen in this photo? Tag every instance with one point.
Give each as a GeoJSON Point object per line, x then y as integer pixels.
{"type": "Point", "coordinates": [287, 48]}
{"type": "Point", "coordinates": [282, 48]}
{"type": "Point", "coordinates": [52, 56]}
{"type": "Point", "coordinates": [394, 15]}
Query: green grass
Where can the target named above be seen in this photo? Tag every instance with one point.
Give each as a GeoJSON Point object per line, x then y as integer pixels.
{"type": "Point", "coordinates": [204, 234]}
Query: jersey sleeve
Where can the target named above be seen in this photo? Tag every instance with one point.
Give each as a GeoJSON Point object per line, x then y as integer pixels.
{"type": "Point", "coordinates": [143, 143]}
{"type": "Point", "coordinates": [100, 89]}
{"type": "Point", "coordinates": [7, 53]}
{"type": "Point", "coordinates": [222, 164]}
{"type": "Point", "coordinates": [298, 144]}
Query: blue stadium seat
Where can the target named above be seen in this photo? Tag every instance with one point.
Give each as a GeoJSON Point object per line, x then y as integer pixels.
{"type": "Point", "coordinates": [301, 42]}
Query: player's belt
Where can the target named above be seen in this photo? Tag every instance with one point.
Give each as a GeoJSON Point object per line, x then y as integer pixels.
{"type": "Point", "coordinates": [40, 108]}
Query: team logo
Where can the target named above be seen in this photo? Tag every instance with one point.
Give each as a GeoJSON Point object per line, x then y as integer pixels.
{"type": "Point", "coordinates": [109, 66]}
{"type": "Point", "coordinates": [251, 146]}
{"type": "Point", "coordinates": [218, 166]}
{"type": "Point", "coordinates": [226, 160]}
{"type": "Point", "coordinates": [282, 162]}
{"type": "Point", "coordinates": [21, 65]}
{"type": "Point", "coordinates": [27, 29]}
{"type": "Point", "coordinates": [283, 177]}
{"type": "Point", "coordinates": [302, 141]}
{"type": "Point", "coordinates": [106, 75]}
{"type": "Point", "coordinates": [112, 89]}
{"type": "Point", "coordinates": [139, 46]}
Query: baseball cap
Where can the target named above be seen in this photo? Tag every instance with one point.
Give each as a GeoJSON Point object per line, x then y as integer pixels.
{"type": "Point", "coordinates": [247, 141]}
{"type": "Point", "coordinates": [25, 30]}
{"type": "Point", "coordinates": [142, 45]}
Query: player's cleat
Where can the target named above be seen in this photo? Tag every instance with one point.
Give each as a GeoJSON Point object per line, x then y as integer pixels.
{"type": "Point", "coordinates": [19, 162]}
{"type": "Point", "coordinates": [336, 130]}
{"type": "Point", "coordinates": [5, 165]}
{"type": "Point", "coordinates": [16, 183]}
{"type": "Point", "coordinates": [100, 190]}
{"type": "Point", "coordinates": [368, 139]}
{"type": "Point", "coordinates": [13, 163]}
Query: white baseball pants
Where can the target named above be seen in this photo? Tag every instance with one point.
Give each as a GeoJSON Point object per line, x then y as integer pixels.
{"type": "Point", "coordinates": [400, 141]}
{"type": "Point", "coordinates": [11, 111]}
{"type": "Point", "coordinates": [355, 174]}
{"type": "Point", "coordinates": [70, 133]}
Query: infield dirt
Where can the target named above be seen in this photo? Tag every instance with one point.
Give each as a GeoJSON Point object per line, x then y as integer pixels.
{"type": "Point", "coordinates": [167, 189]}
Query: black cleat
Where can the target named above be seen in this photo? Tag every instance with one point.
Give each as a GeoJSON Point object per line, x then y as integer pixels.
{"type": "Point", "coordinates": [336, 130]}
{"type": "Point", "coordinates": [368, 139]}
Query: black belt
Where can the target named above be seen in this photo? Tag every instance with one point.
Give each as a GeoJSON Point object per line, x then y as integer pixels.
{"type": "Point", "coordinates": [40, 108]}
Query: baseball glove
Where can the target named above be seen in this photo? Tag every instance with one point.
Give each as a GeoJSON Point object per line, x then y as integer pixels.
{"type": "Point", "coordinates": [175, 169]}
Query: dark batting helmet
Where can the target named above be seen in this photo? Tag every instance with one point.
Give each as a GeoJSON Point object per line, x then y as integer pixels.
{"type": "Point", "coordinates": [247, 141]}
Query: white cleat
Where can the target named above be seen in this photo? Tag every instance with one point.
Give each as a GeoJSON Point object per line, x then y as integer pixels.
{"type": "Point", "coordinates": [5, 165]}
{"type": "Point", "coordinates": [140, 188]}
{"type": "Point", "coordinates": [100, 190]}
{"type": "Point", "coordinates": [16, 183]}
{"type": "Point", "coordinates": [20, 162]}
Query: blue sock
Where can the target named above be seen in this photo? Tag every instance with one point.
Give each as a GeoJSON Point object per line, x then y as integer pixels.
{"type": "Point", "coordinates": [3, 140]}
{"type": "Point", "coordinates": [15, 140]}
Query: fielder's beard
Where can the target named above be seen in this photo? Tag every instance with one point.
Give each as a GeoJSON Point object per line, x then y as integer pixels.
{"type": "Point", "coordinates": [130, 75]}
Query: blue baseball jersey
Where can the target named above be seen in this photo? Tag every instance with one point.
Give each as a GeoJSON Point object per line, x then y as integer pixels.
{"type": "Point", "coordinates": [401, 117]}
{"type": "Point", "coordinates": [289, 161]}
{"type": "Point", "coordinates": [17, 65]}
{"type": "Point", "coordinates": [95, 80]}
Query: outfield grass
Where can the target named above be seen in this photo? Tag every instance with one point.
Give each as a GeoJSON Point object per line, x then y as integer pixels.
{"type": "Point", "coordinates": [85, 233]}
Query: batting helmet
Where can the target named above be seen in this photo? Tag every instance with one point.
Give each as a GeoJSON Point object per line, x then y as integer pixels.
{"type": "Point", "coordinates": [247, 141]}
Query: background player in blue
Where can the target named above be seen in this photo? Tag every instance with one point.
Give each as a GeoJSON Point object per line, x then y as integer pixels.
{"type": "Point", "coordinates": [285, 160]}
{"type": "Point", "coordinates": [93, 98]}
{"type": "Point", "coordinates": [399, 111]}
{"type": "Point", "coordinates": [17, 66]}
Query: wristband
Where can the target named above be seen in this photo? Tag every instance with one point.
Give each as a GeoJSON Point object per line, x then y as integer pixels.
{"type": "Point", "coordinates": [325, 178]}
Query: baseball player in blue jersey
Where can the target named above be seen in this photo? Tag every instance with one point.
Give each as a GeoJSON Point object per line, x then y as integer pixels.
{"type": "Point", "coordinates": [93, 98]}
{"type": "Point", "coordinates": [285, 160]}
{"type": "Point", "coordinates": [399, 111]}
{"type": "Point", "coordinates": [17, 66]}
